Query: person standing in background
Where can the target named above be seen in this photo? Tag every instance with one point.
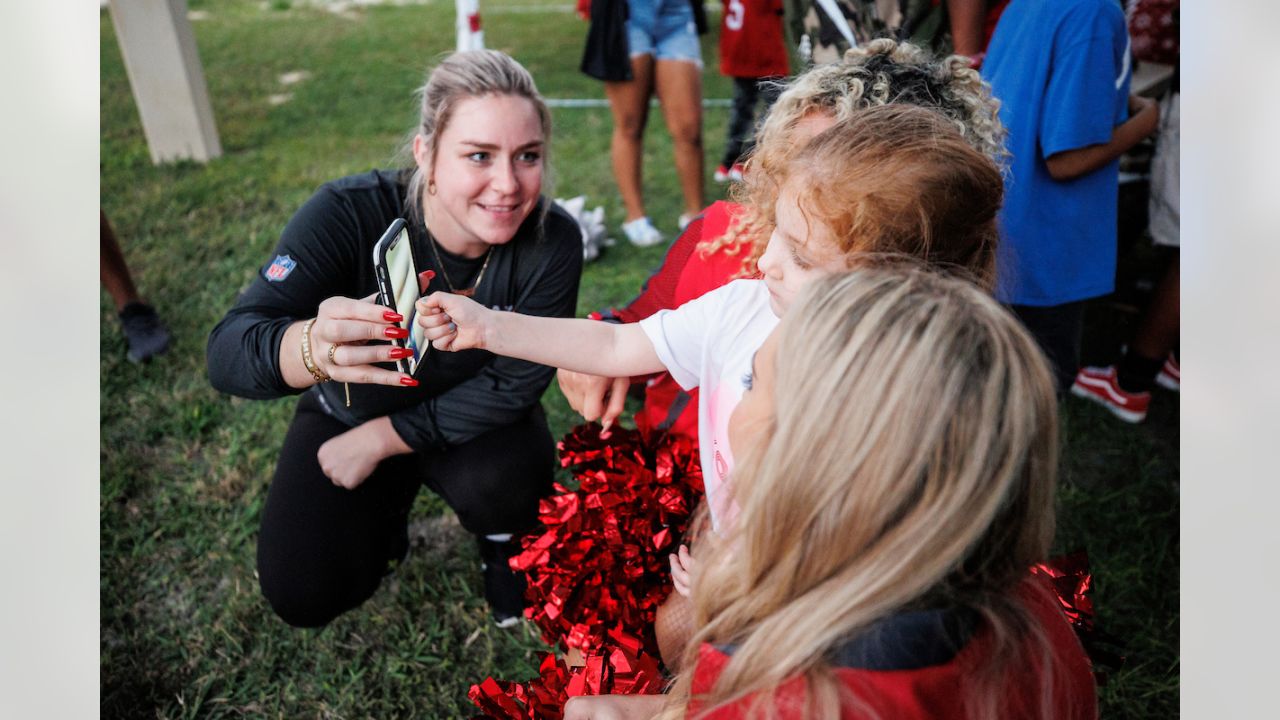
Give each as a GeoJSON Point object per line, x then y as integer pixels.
{"type": "Point", "coordinates": [753, 51]}
{"type": "Point", "coordinates": [1061, 71]}
{"type": "Point", "coordinates": [642, 49]}
{"type": "Point", "coordinates": [825, 29]}
{"type": "Point", "coordinates": [1150, 359]}
{"type": "Point", "coordinates": [144, 331]}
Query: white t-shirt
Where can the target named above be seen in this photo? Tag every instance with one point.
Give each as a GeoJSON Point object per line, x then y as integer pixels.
{"type": "Point", "coordinates": [708, 343]}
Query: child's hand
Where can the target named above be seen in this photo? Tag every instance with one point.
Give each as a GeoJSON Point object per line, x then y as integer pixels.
{"type": "Point", "coordinates": [588, 394]}
{"type": "Point", "coordinates": [452, 322]}
{"type": "Point", "coordinates": [682, 570]}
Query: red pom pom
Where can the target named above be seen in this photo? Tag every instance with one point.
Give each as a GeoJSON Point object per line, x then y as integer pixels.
{"type": "Point", "coordinates": [598, 570]}
{"type": "Point", "coordinates": [621, 667]}
{"type": "Point", "coordinates": [1071, 580]}
{"type": "Point", "coordinates": [601, 560]}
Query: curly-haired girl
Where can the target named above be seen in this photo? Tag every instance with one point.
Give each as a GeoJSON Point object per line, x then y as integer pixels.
{"type": "Point", "coordinates": [728, 238]}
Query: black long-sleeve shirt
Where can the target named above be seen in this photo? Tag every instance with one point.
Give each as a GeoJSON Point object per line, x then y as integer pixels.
{"type": "Point", "coordinates": [327, 250]}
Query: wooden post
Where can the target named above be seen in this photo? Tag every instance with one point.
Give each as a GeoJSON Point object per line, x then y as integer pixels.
{"type": "Point", "coordinates": [160, 57]}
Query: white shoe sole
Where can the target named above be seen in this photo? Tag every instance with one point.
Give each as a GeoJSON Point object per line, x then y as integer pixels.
{"type": "Point", "coordinates": [1128, 416]}
{"type": "Point", "coordinates": [1168, 383]}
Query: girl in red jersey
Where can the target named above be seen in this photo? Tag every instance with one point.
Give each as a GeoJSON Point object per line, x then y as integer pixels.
{"type": "Point", "coordinates": [754, 53]}
{"type": "Point", "coordinates": [877, 567]}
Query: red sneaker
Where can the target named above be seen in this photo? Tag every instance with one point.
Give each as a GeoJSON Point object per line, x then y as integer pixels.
{"type": "Point", "coordinates": [1170, 377]}
{"type": "Point", "coordinates": [725, 174]}
{"type": "Point", "coordinates": [1099, 385]}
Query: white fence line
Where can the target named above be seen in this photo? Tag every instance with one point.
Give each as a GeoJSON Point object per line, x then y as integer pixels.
{"type": "Point", "coordinates": [601, 102]}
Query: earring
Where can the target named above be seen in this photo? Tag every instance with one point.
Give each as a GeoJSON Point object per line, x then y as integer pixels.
{"type": "Point", "coordinates": [431, 187]}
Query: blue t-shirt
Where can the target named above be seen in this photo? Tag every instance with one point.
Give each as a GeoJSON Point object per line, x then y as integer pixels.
{"type": "Point", "coordinates": [1060, 69]}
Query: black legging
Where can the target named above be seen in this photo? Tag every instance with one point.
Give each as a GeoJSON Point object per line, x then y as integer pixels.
{"type": "Point", "coordinates": [742, 121]}
{"type": "Point", "coordinates": [322, 549]}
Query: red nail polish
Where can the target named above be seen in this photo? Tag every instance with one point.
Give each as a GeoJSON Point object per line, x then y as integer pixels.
{"type": "Point", "coordinates": [396, 332]}
{"type": "Point", "coordinates": [408, 382]}
{"type": "Point", "coordinates": [400, 353]}
{"type": "Point", "coordinates": [392, 316]}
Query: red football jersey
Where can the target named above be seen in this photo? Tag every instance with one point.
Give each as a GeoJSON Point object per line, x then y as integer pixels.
{"type": "Point", "coordinates": [751, 41]}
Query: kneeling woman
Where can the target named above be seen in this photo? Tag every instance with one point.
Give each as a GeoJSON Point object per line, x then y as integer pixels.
{"type": "Point", "coordinates": [896, 484]}
{"type": "Point", "coordinates": [467, 425]}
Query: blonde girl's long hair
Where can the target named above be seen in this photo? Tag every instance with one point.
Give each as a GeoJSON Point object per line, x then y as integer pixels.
{"type": "Point", "coordinates": [909, 463]}
{"type": "Point", "coordinates": [882, 72]}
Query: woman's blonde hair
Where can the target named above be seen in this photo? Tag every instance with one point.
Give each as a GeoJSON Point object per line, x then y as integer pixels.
{"type": "Point", "coordinates": [882, 72]}
{"type": "Point", "coordinates": [910, 462]}
{"type": "Point", "coordinates": [462, 75]}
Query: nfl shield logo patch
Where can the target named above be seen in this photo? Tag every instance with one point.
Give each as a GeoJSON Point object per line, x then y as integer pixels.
{"type": "Point", "coordinates": [280, 268]}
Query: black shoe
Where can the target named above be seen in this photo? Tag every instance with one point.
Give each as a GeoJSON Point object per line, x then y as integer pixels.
{"type": "Point", "coordinates": [145, 332]}
{"type": "Point", "coordinates": [503, 587]}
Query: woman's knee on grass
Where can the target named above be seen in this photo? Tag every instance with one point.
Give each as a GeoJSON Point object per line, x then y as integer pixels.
{"type": "Point", "coordinates": [311, 595]}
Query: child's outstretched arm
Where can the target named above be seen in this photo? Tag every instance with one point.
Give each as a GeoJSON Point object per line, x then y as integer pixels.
{"type": "Point", "coordinates": [453, 322]}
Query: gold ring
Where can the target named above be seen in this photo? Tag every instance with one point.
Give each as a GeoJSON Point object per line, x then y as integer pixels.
{"type": "Point", "coordinates": [332, 349]}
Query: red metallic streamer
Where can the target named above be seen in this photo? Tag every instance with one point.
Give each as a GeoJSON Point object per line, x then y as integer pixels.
{"type": "Point", "coordinates": [598, 569]}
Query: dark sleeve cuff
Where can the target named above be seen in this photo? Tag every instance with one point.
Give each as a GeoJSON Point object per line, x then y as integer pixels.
{"type": "Point", "coordinates": [418, 428]}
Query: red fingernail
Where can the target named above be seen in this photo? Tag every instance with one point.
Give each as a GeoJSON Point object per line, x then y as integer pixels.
{"type": "Point", "coordinates": [400, 353]}
{"type": "Point", "coordinates": [392, 316]}
{"type": "Point", "coordinates": [396, 332]}
{"type": "Point", "coordinates": [408, 382]}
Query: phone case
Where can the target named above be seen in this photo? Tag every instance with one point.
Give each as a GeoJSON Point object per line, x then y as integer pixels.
{"type": "Point", "coordinates": [397, 275]}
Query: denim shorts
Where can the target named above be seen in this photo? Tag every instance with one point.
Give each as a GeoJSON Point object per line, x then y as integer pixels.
{"type": "Point", "coordinates": [663, 29]}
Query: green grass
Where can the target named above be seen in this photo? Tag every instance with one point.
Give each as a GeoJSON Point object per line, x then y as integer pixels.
{"type": "Point", "coordinates": [185, 632]}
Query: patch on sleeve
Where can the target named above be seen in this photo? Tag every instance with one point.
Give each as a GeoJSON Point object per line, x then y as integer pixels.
{"type": "Point", "coordinates": [280, 268]}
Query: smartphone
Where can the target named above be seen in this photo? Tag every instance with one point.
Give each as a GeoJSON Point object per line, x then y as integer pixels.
{"type": "Point", "coordinates": [398, 288]}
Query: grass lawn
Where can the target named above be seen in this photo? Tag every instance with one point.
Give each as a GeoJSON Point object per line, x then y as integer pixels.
{"type": "Point", "coordinates": [184, 469]}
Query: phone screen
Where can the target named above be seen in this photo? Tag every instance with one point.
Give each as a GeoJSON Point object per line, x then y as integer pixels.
{"type": "Point", "coordinates": [403, 275]}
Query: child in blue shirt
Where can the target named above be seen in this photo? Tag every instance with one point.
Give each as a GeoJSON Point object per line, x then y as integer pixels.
{"type": "Point", "coordinates": [1061, 71]}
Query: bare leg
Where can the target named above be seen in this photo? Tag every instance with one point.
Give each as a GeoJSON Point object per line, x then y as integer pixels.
{"type": "Point", "coordinates": [145, 333]}
{"type": "Point", "coordinates": [679, 88]}
{"type": "Point", "coordinates": [114, 272]}
{"type": "Point", "coordinates": [629, 103]}
{"type": "Point", "coordinates": [967, 18]}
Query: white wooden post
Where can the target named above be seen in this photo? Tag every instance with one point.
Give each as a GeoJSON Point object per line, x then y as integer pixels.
{"type": "Point", "coordinates": [470, 34]}
{"type": "Point", "coordinates": [160, 57]}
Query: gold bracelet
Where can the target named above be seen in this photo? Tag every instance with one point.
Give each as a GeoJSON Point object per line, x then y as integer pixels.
{"type": "Point", "coordinates": [316, 372]}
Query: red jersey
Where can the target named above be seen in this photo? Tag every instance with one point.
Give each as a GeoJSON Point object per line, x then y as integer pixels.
{"type": "Point", "coordinates": [751, 39]}
{"type": "Point", "coordinates": [908, 666]}
{"type": "Point", "coordinates": [685, 274]}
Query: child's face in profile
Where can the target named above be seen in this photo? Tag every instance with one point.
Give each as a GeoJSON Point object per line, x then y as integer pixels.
{"type": "Point", "coordinates": [799, 250]}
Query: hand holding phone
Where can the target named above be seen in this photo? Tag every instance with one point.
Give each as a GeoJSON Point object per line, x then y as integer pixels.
{"type": "Point", "coordinates": [398, 288]}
